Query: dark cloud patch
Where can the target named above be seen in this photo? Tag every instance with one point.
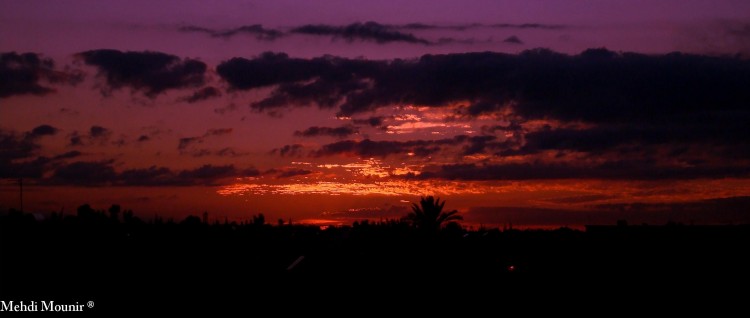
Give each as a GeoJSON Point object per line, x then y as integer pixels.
{"type": "Point", "coordinates": [224, 152]}
{"type": "Point", "coordinates": [368, 31]}
{"type": "Point", "coordinates": [476, 144]}
{"type": "Point", "coordinates": [20, 74]}
{"type": "Point", "coordinates": [425, 26]}
{"type": "Point", "coordinates": [161, 176]}
{"type": "Point", "coordinates": [152, 133]}
{"type": "Point", "coordinates": [85, 173]}
{"type": "Point", "coordinates": [228, 152]}
{"type": "Point", "coordinates": [420, 148]}
{"type": "Point", "coordinates": [338, 132]}
{"type": "Point", "coordinates": [186, 143]}
{"type": "Point", "coordinates": [270, 69]}
{"type": "Point", "coordinates": [208, 173]}
{"type": "Point", "coordinates": [594, 86]}
{"type": "Point", "coordinates": [256, 30]}
{"type": "Point", "coordinates": [528, 26]}
{"type": "Point", "coordinates": [626, 87]}
{"type": "Point", "coordinates": [366, 148]}
{"type": "Point", "coordinates": [325, 92]}
{"type": "Point", "coordinates": [200, 153]}
{"type": "Point", "coordinates": [418, 26]}
{"type": "Point", "coordinates": [102, 173]}
{"type": "Point", "coordinates": [18, 159]}
{"type": "Point", "coordinates": [249, 172]}
{"type": "Point", "coordinates": [24, 169]}
{"type": "Point", "coordinates": [464, 27]}
{"type": "Point", "coordinates": [68, 111]}
{"type": "Point", "coordinates": [96, 135]}
{"type": "Point", "coordinates": [43, 130]}
{"type": "Point", "coordinates": [513, 126]}
{"type": "Point", "coordinates": [288, 173]}
{"type": "Point", "coordinates": [149, 72]}
{"type": "Point", "coordinates": [14, 145]}
{"type": "Point", "coordinates": [324, 81]}
{"type": "Point", "coordinates": [226, 109]}
{"type": "Point", "coordinates": [374, 121]}
{"type": "Point", "coordinates": [369, 148]}
{"type": "Point", "coordinates": [707, 131]}
{"type": "Point", "coordinates": [196, 29]}
{"type": "Point", "coordinates": [469, 26]}
{"type": "Point", "coordinates": [23, 74]}
{"type": "Point", "coordinates": [513, 40]}
{"type": "Point", "coordinates": [68, 155]}
{"type": "Point", "coordinates": [76, 139]}
{"type": "Point", "coordinates": [98, 131]}
{"type": "Point", "coordinates": [294, 150]}
{"type": "Point", "coordinates": [120, 141]}
{"type": "Point", "coordinates": [218, 132]}
{"type": "Point", "coordinates": [202, 94]}
{"type": "Point", "coordinates": [152, 176]}
{"type": "Point", "coordinates": [18, 155]}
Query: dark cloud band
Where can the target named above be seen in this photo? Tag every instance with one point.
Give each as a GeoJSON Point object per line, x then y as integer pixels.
{"type": "Point", "coordinates": [594, 86]}
{"type": "Point", "coordinates": [25, 74]}
{"type": "Point", "coordinates": [368, 31]}
{"type": "Point", "coordinates": [149, 72]}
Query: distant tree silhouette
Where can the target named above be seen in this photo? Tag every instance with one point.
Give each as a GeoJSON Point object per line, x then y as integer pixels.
{"type": "Point", "coordinates": [192, 221]}
{"type": "Point", "coordinates": [114, 212]}
{"type": "Point", "coordinates": [259, 220]}
{"type": "Point", "coordinates": [86, 211]}
{"type": "Point", "coordinates": [127, 216]}
{"type": "Point", "coordinates": [428, 215]}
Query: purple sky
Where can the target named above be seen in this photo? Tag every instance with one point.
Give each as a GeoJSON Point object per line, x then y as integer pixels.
{"type": "Point", "coordinates": [62, 27]}
{"type": "Point", "coordinates": [337, 164]}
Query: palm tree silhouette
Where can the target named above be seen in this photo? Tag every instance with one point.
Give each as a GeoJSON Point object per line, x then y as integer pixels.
{"type": "Point", "coordinates": [429, 215]}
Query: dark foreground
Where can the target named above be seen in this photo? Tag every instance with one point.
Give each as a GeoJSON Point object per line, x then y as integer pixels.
{"type": "Point", "coordinates": [133, 266]}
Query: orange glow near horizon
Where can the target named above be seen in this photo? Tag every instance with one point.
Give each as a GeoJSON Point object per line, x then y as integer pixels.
{"type": "Point", "coordinates": [573, 194]}
{"type": "Point", "coordinates": [386, 188]}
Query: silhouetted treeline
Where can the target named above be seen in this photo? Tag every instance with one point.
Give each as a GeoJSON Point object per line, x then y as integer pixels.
{"type": "Point", "coordinates": [115, 257]}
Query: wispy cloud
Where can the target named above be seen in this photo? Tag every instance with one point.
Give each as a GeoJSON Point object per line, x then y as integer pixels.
{"type": "Point", "coordinates": [188, 145]}
{"type": "Point", "coordinates": [294, 150]}
{"type": "Point", "coordinates": [338, 132]}
{"type": "Point", "coordinates": [368, 31]}
{"type": "Point", "coordinates": [202, 94]}
{"type": "Point", "coordinates": [256, 30]}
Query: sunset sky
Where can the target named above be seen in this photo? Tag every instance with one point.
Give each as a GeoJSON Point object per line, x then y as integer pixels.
{"type": "Point", "coordinates": [536, 113]}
